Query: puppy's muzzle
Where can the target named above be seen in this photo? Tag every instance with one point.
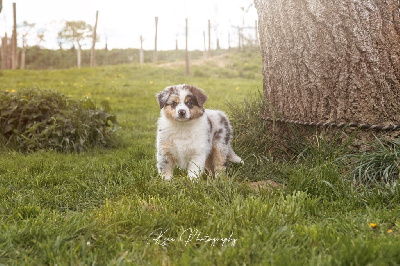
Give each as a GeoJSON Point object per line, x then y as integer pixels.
{"type": "Point", "coordinates": [181, 113]}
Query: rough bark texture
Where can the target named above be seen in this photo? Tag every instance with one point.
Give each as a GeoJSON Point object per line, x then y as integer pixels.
{"type": "Point", "coordinates": [331, 61]}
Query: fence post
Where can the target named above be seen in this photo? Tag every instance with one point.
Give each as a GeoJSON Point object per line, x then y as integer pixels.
{"type": "Point", "coordinates": [186, 51]}
{"type": "Point", "coordinates": [14, 39]}
{"type": "Point", "coordinates": [209, 38]}
{"type": "Point", "coordinates": [4, 52]}
{"type": "Point", "coordinates": [256, 27]}
{"type": "Point", "coordinates": [155, 43]}
{"type": "Point", "coordinates": [92, 54]}
{"type": "Point", "coordinates": [240, 39]}
{"type": "Point", "coordinates": [204, 41]}
{"type": "Point", "coordinates": [229, 41]}
{"type": "Point", "coordinates": [141, 59]}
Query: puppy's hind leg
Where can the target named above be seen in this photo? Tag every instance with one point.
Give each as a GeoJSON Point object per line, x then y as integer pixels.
{"type": "Point", "coordinates": [219, 159]}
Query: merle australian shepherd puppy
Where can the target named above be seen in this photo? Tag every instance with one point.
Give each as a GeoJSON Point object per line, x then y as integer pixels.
{"type": "Point", "coordinates": [190, 136]}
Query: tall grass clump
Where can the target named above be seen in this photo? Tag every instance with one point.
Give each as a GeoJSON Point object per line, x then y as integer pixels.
{"type": "Point", "coordinates": [253, 142]}
{"type": "Point", "coordinates": [303, 158]}
{"type": "Point", "coordinates": [379, 164]}
{"type": "Point", "coordinates": [32, 119]}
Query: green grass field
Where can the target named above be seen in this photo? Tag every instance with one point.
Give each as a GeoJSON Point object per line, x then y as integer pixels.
{"type": "Point", "coordinates": [108, 206]}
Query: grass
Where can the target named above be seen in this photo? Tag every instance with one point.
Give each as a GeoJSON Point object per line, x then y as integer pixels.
{"type": "Point", "coordinates": [108, 206]}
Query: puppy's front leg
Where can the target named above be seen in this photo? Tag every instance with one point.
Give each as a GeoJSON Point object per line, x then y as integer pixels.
{"type": "Point", "coordinates": [196, 167]}
{"type": "Point", "coordinates": [165, 166]}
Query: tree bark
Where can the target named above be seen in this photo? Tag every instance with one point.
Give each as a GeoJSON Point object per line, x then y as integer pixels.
{"type": "Point", "coordinates": [331, 61]}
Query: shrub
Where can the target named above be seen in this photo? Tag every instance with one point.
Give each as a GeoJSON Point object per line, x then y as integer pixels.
{"type": "Point", "coordinates": [33, 119]}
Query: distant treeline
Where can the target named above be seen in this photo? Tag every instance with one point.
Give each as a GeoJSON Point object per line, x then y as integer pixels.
{"type": "Point", "coordinates": [39, 58]}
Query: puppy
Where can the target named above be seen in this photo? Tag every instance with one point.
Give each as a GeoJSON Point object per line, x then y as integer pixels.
{"type": "Point", "coordinates": [190, 136]}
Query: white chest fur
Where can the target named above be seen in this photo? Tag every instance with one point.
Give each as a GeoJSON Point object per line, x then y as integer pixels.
{"type": "Point", "coordinates": [184, 140]}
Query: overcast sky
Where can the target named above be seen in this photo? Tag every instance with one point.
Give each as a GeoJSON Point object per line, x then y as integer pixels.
{"type": "Point", "coordinates": [123, 21]}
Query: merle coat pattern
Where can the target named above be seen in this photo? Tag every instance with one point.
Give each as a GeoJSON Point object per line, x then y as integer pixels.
{"type": "Point", "coordinates": [190, 136]}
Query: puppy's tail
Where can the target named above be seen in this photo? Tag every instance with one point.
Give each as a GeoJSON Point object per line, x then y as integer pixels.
{"type": "Point", "coordinates": [232, 157]}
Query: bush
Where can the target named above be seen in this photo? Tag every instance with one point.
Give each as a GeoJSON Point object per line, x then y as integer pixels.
{"type": "Point", "coordinates": [33, 119]}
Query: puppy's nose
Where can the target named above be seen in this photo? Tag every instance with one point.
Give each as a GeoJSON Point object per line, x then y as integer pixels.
{"type": "Point", "coordinates": [182, 113]}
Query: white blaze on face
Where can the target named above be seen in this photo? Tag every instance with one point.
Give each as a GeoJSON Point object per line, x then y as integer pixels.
{"type": "Point", "coordinates": [182, 110]}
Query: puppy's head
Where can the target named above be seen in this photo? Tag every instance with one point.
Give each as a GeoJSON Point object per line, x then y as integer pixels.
{"type": "Point", "coordinates": [182, 102]}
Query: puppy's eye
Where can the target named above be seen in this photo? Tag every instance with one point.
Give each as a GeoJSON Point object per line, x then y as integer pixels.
{"type": "Point", "coordinates": [189, 104]}
{"type": "Point", "coordinates": [174, 104]}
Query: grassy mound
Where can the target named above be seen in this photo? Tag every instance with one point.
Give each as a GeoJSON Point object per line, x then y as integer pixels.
{"type": "Point", "coordinates": [33, 119]}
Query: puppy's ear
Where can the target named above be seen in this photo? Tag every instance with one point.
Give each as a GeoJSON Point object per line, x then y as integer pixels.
{"type": "Point", "coordinates": [163, 96]}
{"type": "Point", "coordinates": [199, 94]}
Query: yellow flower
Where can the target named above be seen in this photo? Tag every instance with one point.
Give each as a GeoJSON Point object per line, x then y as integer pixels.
{"type": "Point", "coordinates": [75, 84]}
{"type": "Point", "coordinates": [373, 225]}
{"type": "Point", "coordinates": [245, 64]}
{"type": "Point", "coordinates": [80, 85]}
{"type": "Point", "coordinates": [62, 82]}
{"type": "Point", "coordinates": [108, 98]}
{"type": "Point", "coordinates": [12, 90]}
{"type": "Point", "coordinates": [151, 82]}
{"type": "Point", "coordinates": [390, 231]}
{"type": "Point", "coordinates": [237, 88]}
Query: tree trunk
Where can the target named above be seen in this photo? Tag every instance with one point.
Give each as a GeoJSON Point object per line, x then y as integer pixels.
{"type": "Point", "coordinates": [331, 61]}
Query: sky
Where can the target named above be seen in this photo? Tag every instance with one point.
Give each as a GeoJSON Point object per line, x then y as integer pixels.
{"type": "Point", "coordinates": [122, 22]}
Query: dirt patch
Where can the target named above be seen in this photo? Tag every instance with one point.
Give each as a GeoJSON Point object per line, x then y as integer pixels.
{"type": "Point", "coordinates": [264, 185]}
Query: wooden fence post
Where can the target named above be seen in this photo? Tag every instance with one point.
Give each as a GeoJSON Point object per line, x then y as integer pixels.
{"type": "Point", "coordinates": [186, 51]}
{"type": "Point", "coordinates": [155, 42]}
{"type": "Point", "coordinates": [141, 56]}
{"type": "Point", "coordinates": [4, 52]}
{"type": "Point", "coordinates": [204, 41]}
{"type": "Point", "coordinates": [209, 38]}
{"type": "Point", "coordinates": [256, 28]}
{"type": "Point", "coordinates": [14, 56]}
{"type": "Point", "coordinates": [240, 40]}
{"type": "Point", "coordinates": [229, 41]}
{"type": "Point", "coordinates": [92, 54]}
